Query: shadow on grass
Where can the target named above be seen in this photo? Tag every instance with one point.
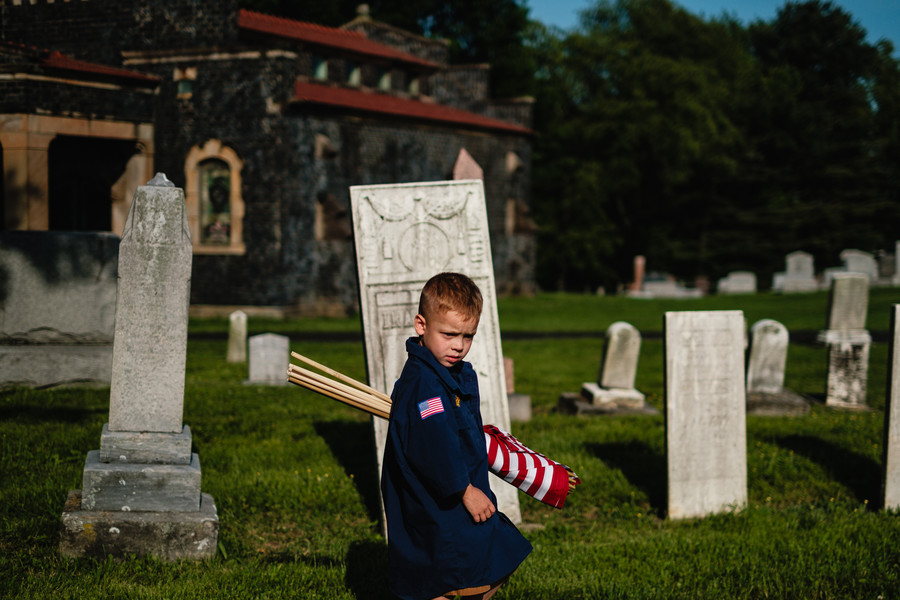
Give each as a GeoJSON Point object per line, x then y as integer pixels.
{"type": "Point", "coordinates": [367, 571]}
{"type": "Point", "coordinates": [641, 465]}
{"type": "Point", "coordinates": [353, 445]}
{"type": "Point", "coordinates": [860, 474]}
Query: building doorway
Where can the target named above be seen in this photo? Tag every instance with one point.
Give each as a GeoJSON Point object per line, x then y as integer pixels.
{"type": "Point", "coordinates": [81, 173]}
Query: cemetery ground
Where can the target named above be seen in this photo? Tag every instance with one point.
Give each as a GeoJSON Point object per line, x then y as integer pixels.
{"type": "Point", "coordinates": [293, 475]}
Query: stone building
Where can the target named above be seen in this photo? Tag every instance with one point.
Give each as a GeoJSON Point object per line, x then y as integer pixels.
{"type": "Point", "coordinates": [265, 122]}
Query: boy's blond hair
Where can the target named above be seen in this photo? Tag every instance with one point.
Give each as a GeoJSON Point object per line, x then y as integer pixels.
{"type": "Point", "coordinates": [451, 292]}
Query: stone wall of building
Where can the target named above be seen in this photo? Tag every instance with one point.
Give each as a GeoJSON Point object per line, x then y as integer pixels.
{"type": "Point", "coordinates": [436, 51]}
{"type": "Point", "coordinates": [97, 30]}
{"type": "Point", "coordinates": [57, 98]}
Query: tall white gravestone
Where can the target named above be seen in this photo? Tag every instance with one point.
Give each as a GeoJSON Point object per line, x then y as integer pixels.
{"type": "Point", "coordinates": [405, 234]}
{"type": "Point", "coordinates": [891, 445]}
{"type": "Point", "coordinates": [141, 490]}
{"type": "Point", "coordinates": [706, 429]}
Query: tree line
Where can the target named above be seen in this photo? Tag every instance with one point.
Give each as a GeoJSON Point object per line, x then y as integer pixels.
{"type": "Point", "coordinates": [704, 144]}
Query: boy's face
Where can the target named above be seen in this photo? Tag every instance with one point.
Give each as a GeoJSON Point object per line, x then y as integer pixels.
{"type": "Point", "coordinates": [447, 335]}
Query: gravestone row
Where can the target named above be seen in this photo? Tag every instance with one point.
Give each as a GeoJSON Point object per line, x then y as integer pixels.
{"type": "Point", "coordinates": [432, 227]}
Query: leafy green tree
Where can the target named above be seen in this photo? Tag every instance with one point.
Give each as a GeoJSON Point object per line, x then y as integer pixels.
{"type": "Point", "coordinates": [816, 131]}
{"type": "Point", "coordinates": [648, 86]}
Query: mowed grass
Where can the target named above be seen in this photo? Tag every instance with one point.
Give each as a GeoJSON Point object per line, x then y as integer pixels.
{"type": "Point", "coordinates": [294, 480]}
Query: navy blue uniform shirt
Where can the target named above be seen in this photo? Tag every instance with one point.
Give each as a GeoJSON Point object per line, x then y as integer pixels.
{"type": "Point", "coordinates": [435, 449]}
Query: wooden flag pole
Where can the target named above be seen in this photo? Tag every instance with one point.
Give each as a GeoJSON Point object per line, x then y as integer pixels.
{"type": "Point", "coordinates": [336, 396]}
{"type": "Point", "coordinates": [342, 377]}
{"type": "Point", "coordinates": [339, 388]}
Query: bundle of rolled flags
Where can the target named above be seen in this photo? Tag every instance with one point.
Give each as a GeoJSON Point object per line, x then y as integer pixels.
{"type": "Point", "coordinates": [538, 476]}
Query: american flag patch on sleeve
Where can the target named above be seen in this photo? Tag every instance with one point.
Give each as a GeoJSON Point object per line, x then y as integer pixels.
{"type": "Point", "coordinates": [430, 407]}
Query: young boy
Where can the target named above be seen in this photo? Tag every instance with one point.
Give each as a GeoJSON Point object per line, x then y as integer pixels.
{"type": "Point", "coordinates": [445, 535]}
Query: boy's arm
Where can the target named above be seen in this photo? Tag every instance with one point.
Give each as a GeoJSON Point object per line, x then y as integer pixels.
{"type": "Point", "coordinates": [478, 504]}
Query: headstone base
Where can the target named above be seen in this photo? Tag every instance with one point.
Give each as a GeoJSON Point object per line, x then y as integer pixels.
{"type": "Point", "coordinates": [623, 399]}
{"type": "Point", "coordinates": [574, 404]}
{"type": "Point", "coordinates": [140, 487]}
{"type": "Point", "coordinates": [783, 403]}
{"type": "Point", "coordinates": [519, 407]}
{"type": "Point", "coordinates": [165, 535]}
{"type": "Point", "coordinates": [145, 447]}
{"type": "Point", "coordinates": [51, 365]}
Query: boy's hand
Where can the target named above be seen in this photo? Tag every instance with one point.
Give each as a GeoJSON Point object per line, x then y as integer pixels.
{"type": "Point", "coordinates": [479, 506]}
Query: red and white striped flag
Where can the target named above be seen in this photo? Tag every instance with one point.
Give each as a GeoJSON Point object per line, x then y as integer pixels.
{"type": "Point", "coordinates": [533, 473]}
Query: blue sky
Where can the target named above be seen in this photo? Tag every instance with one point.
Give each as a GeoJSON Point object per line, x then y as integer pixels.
{"type": "Point", "coordinates": [880, 18]}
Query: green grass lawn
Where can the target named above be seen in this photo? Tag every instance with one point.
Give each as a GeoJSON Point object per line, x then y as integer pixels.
{"type": "Point", "coordinates": [293, 477]}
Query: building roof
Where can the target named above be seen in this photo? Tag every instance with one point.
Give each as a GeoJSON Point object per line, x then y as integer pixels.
{"type": "Point", "coordinates": [329, 37]}
{"type": "Point", "coordinates": [57, 61]}
{"type": "Point", "coordinates": [383, 104]}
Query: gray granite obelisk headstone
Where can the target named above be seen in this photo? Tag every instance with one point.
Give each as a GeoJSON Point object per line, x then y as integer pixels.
{"type": "Point", "coordinates": [891, 445]}
{"type": "Point", "coordinates": [706, 429]}
{"type": "Point", "coordinates": [848, 341]}
{"type": "Point", "coordinates": [141, 490]}
{"type": "Point", "coordinates": [237, 337]}
{"type": "Point", "coordinates": [404, 234]}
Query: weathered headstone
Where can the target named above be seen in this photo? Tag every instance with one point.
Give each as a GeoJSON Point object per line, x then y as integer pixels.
{"type": "Point", "coordinates": [614, 389]}
{"type": "Point", "coordinates": [857, 261]}
{"type": "Point", "coordinates": [141, 490]}
{"type": "Point", "coordinates": [705, 412]}
{"type": "Point", "coordinates": [57, 307]}
{"type": "Point", "coordinates": [270, 355]}
{"type": "Point", "coordinates": [404, 234]}
{"type": "Point", "coordinates": [768, 355]}
{"type": "Point", "coordinates": [847, 340]}
{"type": "Point", "coordinates": [891, 441]}
{"type": "Point", "coordinates": [237, 337]}
{"type": "Point", "coordinates": [800, 275]}
{"type": "Point", "coordinates": [737, 282]}
{"type": "Point", "coordinates": [766, 394]}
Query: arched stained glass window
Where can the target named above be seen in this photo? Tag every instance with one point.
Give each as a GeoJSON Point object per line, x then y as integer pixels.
{"type": "Point", "coordinates": [213, 197]}
{"type": "Point", "coordinates": [215, 205]}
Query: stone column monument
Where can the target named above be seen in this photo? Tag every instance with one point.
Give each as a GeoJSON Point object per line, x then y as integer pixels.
{"type": "Point", "coordinates": [706, 425]}
{"type": "Point", "coordinates": [141, 490]}
{"type": "Point", "coordinates": [891, 437]}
